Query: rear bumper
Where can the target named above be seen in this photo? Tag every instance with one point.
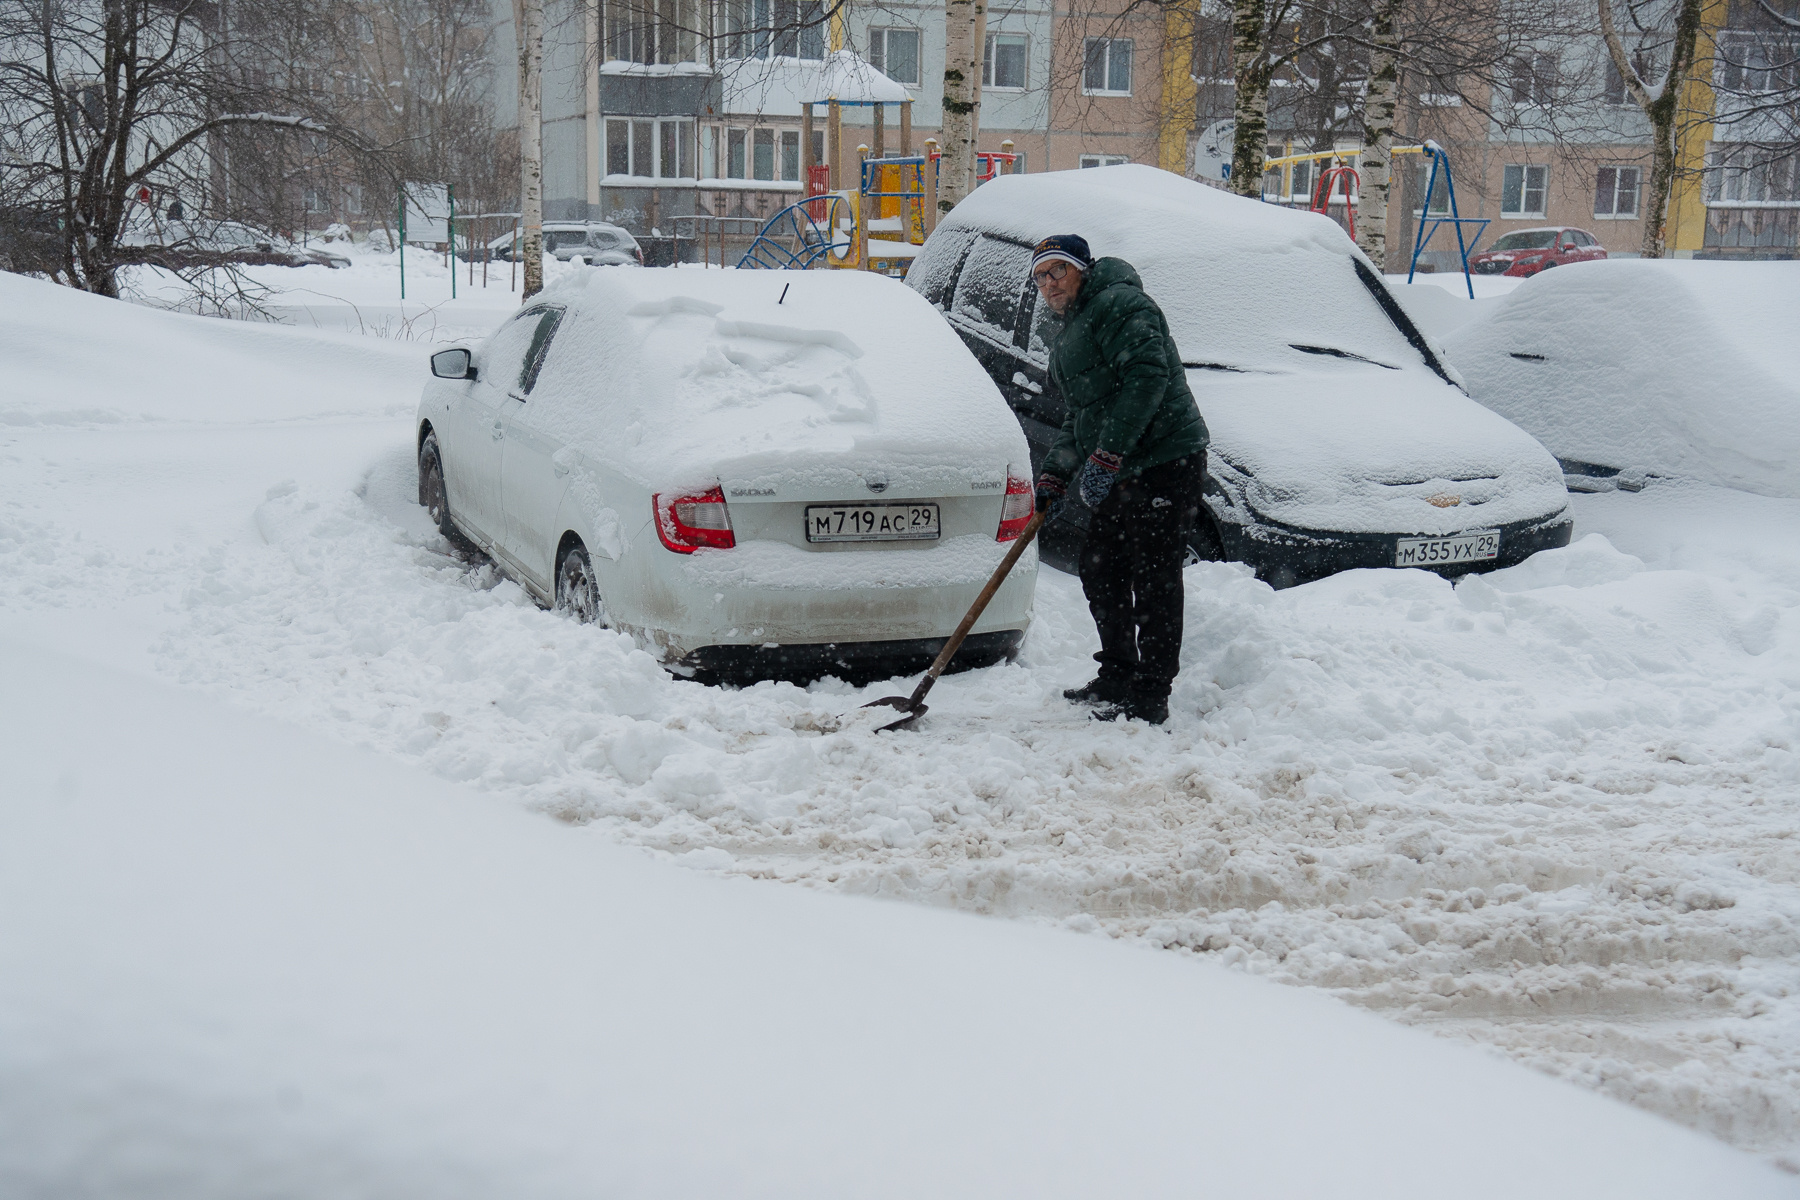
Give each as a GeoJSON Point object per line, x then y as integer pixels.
{"type": "Point", "coordinates": [853, 662]}
{"type": "Point", "coordinates": [1284, 555]}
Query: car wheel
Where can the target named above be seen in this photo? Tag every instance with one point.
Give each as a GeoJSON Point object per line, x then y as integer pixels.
{"type": "Point", "coordinates": [1204, 544]}
{"type": "Point", "coordinates": [577, 591]}
{"type": "Point", "coordinates": [433, 497]}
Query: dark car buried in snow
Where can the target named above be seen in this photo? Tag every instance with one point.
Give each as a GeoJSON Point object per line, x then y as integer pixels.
{"type": "Point", "coordinates": [1340, 439]}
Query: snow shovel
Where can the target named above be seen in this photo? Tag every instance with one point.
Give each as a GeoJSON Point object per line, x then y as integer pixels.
{"type": "Point", "coordinates": [914, 705]}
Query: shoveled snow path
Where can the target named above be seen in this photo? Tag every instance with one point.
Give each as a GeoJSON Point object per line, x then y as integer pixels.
{"type": "Point", "coordinates": [1552, 810]}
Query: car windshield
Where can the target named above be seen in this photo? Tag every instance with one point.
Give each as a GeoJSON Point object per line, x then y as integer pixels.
{"type": "Point", "coordinates": [557, 239]}
{"type": "Point", "coordinates": [1530, 239]}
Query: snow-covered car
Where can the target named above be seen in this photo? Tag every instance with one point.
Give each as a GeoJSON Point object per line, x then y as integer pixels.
{"type": "Point", "coordinates": [1340, 438]}
{"type": "Point", "coordinates": [1525, 252]}
{"type": "Point", "coordinates": [191, 243]}
{"type": "Point", "coordinates": [1633, 367]}
{"type": "Point", "coordinates": [599, 243]}
{"type": "Point", "coordinates": [740, 469]}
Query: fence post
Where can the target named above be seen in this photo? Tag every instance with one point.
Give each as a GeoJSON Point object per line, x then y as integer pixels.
{"type": "Point", "coordinates": [402, 226]}
{"type": "Point", "coordinates": [450, 233]}
{"type": "Point", "coordinates": [931, 186]}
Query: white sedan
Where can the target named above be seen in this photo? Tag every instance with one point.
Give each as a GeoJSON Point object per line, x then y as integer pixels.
{"type": "Point", "coordinates": [756, 474]}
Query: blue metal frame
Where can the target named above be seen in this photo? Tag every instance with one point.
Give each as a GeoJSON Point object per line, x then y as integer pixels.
{"type": "Point", "coordinates": [1428, 224]}
{"type": "Point", "coordinates": [766, 253]}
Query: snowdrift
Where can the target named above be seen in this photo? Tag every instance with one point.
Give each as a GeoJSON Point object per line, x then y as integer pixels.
{"type": "Point", "coordinates": [73, 358]}
{"type": "Point", "coordinates": [237, 960]}
{"type": "Point", "coordinates": [746, 374]}
{"type": "Point", "coordinates": [1676, 368]}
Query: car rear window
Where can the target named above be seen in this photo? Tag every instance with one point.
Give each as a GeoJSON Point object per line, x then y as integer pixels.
{"type": "Point", "coordinates": [990, 287]}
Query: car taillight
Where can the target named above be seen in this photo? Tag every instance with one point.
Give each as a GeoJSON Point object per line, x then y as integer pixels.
{"type": "Point", "coordinates": [686, 523]}
{"type": "Point", "coordinates": [1015, 510]}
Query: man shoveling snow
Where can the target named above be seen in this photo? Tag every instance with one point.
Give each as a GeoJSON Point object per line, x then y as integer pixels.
{"type": "Point", "coordinates": [1136, 435]}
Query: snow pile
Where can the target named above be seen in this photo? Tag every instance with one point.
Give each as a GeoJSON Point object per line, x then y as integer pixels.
{"type": "Point", "coordinates": [1677, 368]}
{"type": "Point", "coordinates": [237, 960]}
{"type": "Point", "coordinates": [72, 358]}
{"type": "Point", "coordinates": [685, 376]}
{"type": "Point", "coordinates": [1240, 281]}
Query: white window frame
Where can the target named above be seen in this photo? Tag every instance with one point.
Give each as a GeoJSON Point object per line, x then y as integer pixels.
{"type": "Point", "coordinates": [1540, 72]}
{"type": "Point", "coordinates": [882, 60]}
{"type": "Point", "coordinates": [1524, 212]}
{"type": "Point", "coordinates": [685, 145]}
{"type": "Point", "coordinates": [1104, 160]}
{"type": "Point", "coordinates": [1111, 88]}
{"type": "Point", "coordinates": [1617, 190]}
{"type": "Point", "coordinates": [353, 199]}
{"type": "Point", "coordinates": [989, 54]}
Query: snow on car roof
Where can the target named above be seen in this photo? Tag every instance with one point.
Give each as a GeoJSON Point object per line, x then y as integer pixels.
{"type": "Point", "coordinates": [1685, 368]}
{"type": "Point", "coordinates": [768, 370]}
{"type": "Point", "coordinates": [1240, 281]}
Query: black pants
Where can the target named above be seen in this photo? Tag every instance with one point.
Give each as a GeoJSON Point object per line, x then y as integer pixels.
{"type": "Point", "coordinates": [1131, 573]}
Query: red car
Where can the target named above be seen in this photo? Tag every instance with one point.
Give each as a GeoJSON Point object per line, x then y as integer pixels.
{"type": "Point", "coordinates": [1528, 251]}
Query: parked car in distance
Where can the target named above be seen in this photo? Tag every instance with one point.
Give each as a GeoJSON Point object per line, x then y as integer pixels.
{"type": "Point", "coordinates": [192, 243]}
{"type": "Point", "coordinates": [1527, 251]}
{"type": "Point", "coordinates": [1339, 437]}
{"type": "Point", "coordinates": [599, 243]}
{"type": "Point", "coordinates": [1638, 367]}
{"type": "Point", "coordinates": [738, 468]}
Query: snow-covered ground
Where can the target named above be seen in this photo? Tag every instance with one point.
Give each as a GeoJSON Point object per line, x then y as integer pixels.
{"type": "Point", "coordinates": [1550, 810]}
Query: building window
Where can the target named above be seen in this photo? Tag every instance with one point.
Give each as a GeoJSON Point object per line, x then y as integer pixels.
{"type": "Point", "coordinates": [1616, 192]}
{"type": "Point", "coordinates": [790, 155]}
{"type": "Point", "coordinates": [1300, 186]}
{"type": "Point", "coordinates": [1750, 175]}
{"type": "Point", "coordinates": [895, 53]}
{"type": "Point", "coordinates": [762, 154]}
{"type": "Point", "coordinates": [651, 31]}
{"type": "Point", "coordinates": [1614, 92]}
{"type": "Point", "coordinates": [353, 199]}
{"type": "Point", "coordinates": [774, 28]}
{"type": "Point", "coordinates": [1003, 62]}
{"type": "Point", "coordinates": [1533, 78]}
{"type": "Point", "coordinates": [1757, 66]}
{"type": "Point", "coordinates": [1103, 160]}
{"type": "Point", "coordinates": [1522, 190]}
{"type": "Point", "coordinates": [313, 199]}
{"type": "Point", "coordinates": [1106, 67]}
{"type": "Point", "coordinates": [1440, 196]}
{"type": "Point", "coordinates": [735, 162]}
{"type": "Point", "coordinates": [647, 147]}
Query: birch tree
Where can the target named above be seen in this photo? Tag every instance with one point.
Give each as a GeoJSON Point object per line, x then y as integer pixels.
{"type": "Point", "coordinates": [1660, 101]}
{"type": "Point", "coordinates": [528, 20]}
{"type": "Point", "coordinates": [1379, 105]}
{"type": "Point", "coordinates": [963, 23]}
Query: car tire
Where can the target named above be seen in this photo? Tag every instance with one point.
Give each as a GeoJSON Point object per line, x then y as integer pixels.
{"type": "Point", "coordinates": [434, 498]}
{"type": "Point", "coordinates": [1204, 543]}
{"type": "Point", "coordinates": [577, 591]}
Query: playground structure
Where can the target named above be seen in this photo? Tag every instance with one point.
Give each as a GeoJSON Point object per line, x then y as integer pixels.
{"type": "Point", "coordinates": [1337, 184]}
{"type": "Point", "coordinates": [877, 226]}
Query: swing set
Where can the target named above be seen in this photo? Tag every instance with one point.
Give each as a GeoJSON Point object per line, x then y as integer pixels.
{"type": "Point", "coordinates": [1339, 182]}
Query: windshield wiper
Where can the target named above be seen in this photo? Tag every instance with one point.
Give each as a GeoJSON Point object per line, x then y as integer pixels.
{"type": "Point", "coordinates": [1334, 352]}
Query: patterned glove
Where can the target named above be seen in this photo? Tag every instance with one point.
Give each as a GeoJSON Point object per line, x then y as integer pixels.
{"type": "Point", "coordinates": [1051, 492]}
{"type": "Point", "coordinates": [1097, 476]}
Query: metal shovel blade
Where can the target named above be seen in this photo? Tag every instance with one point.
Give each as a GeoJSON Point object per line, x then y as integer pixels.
{"type": "Point", "coordinates": [906, 704]}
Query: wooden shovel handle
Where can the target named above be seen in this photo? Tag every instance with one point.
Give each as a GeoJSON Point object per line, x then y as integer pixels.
{"type": "Point", "coordinates": [977, 608]}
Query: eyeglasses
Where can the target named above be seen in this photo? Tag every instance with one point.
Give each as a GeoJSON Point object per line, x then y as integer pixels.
{"type": "Point", "coordinates": [1051, 272]}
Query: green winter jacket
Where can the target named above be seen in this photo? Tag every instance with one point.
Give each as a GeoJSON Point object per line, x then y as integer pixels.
{"type": "Point", "coordinates": [1121, 379]}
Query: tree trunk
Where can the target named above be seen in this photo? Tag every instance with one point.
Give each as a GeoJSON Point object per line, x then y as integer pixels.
{"type": "Point", "coordinates": [1250, 102]}
{"type": "Point", "coordinates": [1376, 170]}
{"type": "Point", "coordinates": [962, 100]}
{"type": "Point", "coordinates": [529, 22]}
{"type": "Point", "coordinates": [1663, 107]}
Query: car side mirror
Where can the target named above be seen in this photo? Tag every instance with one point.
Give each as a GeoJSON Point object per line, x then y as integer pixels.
{"type": "Point", "coordinates": [453, 364]}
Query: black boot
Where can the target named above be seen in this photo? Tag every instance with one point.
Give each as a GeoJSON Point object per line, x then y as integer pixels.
{"type": "Point", "coordinates": [1136, 706]}
{"type": "Point", "coordinates": [1099, 690]}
